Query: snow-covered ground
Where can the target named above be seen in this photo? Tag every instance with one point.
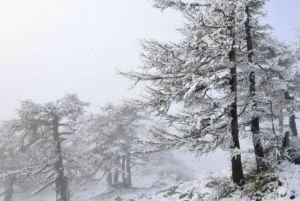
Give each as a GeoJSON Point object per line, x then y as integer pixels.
{"type": "Point", "coordinates": [206, 179]}
{"type": "Point", "coordinates": [214, 186]}
{"type": "Point", "coordinates": [147, 178]}
{"type": "Point", "coordinates": [186, 177]}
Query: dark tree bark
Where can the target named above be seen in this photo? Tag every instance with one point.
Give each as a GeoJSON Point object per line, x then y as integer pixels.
{"type": "Point", "coordinates": [293, 126]}
{"type": "Point", "coordinates": [255, 128]}
{"type": "Point", "coordinates": [281, 121]}
{"type": "Point", "coordinates": [286, 141]}
{"type": "Point", "coordinates": [237, 169]}
{"type": "Point", "coordinates": [128, 171]}
{"type": "Point", "coordinates": [109, 179]}
{"type": "Point", "coordinates": [123, 170]}
{"type": "Point", "coordinates": [292, 117]}
{"type": "Point", "coordinates": [116, 178]}
{"type": "Point", "coordinates": [61, 181]}
{"type": "Point", "coordinates": [9, 187]}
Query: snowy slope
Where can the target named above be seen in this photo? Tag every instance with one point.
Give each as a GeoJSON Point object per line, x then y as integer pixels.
{"type": "Point", "coordinates": [208, 179]}
{"type": "Point", "coordinates": [284, 185]}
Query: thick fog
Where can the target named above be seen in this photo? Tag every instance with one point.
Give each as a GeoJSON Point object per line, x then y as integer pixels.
{"type": "Point", "coordinates": [52, 47]}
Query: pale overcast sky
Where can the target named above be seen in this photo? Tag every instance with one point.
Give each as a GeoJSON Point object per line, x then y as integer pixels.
{"type": "Point", "coordinates": [52, 47]}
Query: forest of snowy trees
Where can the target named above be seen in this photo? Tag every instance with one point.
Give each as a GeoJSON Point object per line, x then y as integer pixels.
{"type": "Point", "coordinates": [226, 81]}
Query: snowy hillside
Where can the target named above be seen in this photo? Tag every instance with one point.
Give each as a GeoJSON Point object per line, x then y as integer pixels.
{"type": "Point", "coordinates": [207, 182]}
{"type": "Point", "coordinates": [277, 186]}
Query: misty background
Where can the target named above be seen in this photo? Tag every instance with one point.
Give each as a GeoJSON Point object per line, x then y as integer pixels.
{"type": "Point", "coordinates": [52, 47]}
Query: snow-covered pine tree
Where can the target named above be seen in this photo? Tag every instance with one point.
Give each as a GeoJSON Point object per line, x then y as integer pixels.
{"type": "Point", "coordinates": [199, 72]}
{"type": "Point", "coordinates": [251, 25]}
{"type": "Point", "coordinates": [15, 155]}
{"type": "Point", "coordinates": [11, 162]}
{"type": "Point", "coordinates": [110, 140]}
{"type": "Point", "coordinates": [255, 70]}
{"type": "Point", "coordinates": [292, 102]}
{"type": "Point", "coordinates": [288, 101]}
{"type": "Point", "coordinates": [292, 91]}
{"type": "Point", "coordinates": [53, 122]}
{"type": "Point", "coordinates": [289, 89]}
{"type": "Point", "coordinates": [275, 67]}
{"type": "Point", "coordinates": [7, 153]}
{"type": "Point", "coordinates": [288, 97]}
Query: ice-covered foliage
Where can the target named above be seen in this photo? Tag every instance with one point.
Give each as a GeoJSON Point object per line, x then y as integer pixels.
{"type": "Point", "coordinates": [51, 125]}
{"type": "Point", "coordinates": [226, 72]}
{"type": "Point", "coordinates": [16, 157]}
{"type": "Point", "coordinates": [195, 71]}
{"type": "Point", "coordinates": [109, 144]}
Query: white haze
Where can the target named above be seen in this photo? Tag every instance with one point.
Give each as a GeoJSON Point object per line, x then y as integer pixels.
{"type": "Point", "coordinates": [52, 47]}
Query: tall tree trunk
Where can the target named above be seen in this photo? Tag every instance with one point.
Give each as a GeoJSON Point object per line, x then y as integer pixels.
{"type": "Point", "coordinates": [128, 171]}
{"type": "Point", "coordinates": [123, 170]}
{"type": "Point", "coordinates": [237, 169]}
{"type": "Point", "coordinates": [109, 180]}
{"type": "Point", "coordinates": [61, 181]}
{"type": "Point", "coordinates": [281, 120]}
{"type": "Point", "coordinates": [255, 128]}
{"type": "Point", "coordinates": [8, 187]}
{"type": "Point", "coordinates": [116, 177]}
{"type": "Point", "coordinates": [286, 141]}
{"type": "Point", "coordinates": [292, 117]}
{"type": "Point", "coordinates": [293, 126]}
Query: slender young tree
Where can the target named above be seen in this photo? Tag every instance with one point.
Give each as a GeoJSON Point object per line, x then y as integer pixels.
{"type": "Point", "coordinates": [276, 76]}
{"type": "Point", "coordinates": [261, 61]}
{"type": "Point", "coordinates": [236, 163]}
{"type": "Point", "coordinates": [251, 9]}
